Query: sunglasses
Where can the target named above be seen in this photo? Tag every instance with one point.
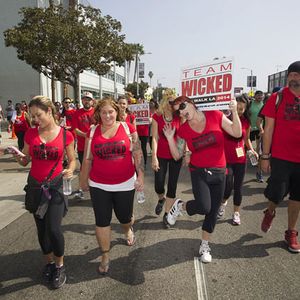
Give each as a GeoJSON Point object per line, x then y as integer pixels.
{"type": "Point", "coordinates": [296, 106]}
{"type": "Point", "coordinates": [172, 102]}
{"type": "Point", "coordinates": [67, 102]}
{"type": "Point", "coordinates": [182, 105]}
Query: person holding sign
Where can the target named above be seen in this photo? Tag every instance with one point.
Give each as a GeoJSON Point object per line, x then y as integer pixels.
{"type": "Point", "coordinates": [236, 160]}
{"type": "Point", "coordinates": [203, 134]}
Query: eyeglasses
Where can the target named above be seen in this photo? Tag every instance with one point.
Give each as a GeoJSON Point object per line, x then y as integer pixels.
{"type": "Point", "coordinates": [67, 102]}
{"type": "Point", "coordinates": [296, 106]}
{"type": "Point", "coordinates": [172, 102]}
{"type": "Point", "coordinates": [182, 105]}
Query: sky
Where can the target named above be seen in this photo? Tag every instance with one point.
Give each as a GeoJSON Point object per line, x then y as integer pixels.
{"type": "Point", "coordinates": [260, 35]}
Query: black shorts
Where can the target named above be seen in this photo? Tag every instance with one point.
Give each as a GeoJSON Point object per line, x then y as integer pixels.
{"type": "Point", "coordinates": [284, 179]}
{"type": "Point", "coordinates": [80, 156]}
{"type": "Point", "coordinates": [8, 118]}
{"type": "Point", "coordinates": [254, 135]}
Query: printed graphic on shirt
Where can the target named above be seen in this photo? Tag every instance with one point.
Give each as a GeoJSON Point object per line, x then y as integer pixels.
{"type": "Point", "coordinates": [85, 119]}
{"type": "Point", "coordinates": [204, 141]}
{"type": "Point", "coordinates": [111, 150]}
{"type": "Point", "coordinates": [291, 112]}
{"type": "Point", "coordinates": [45, 152]}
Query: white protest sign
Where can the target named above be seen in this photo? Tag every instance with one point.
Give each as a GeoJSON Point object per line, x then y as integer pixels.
{"type": "Point", "coordinates": [141, 112]}
{"type": "Point", "coordinates": [209, 84]}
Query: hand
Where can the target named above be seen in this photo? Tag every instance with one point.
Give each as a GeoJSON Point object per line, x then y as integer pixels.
{"type": "Point", "coordinates": [233, 105]}
{"type": "Point", "coordinates": [187, 160]}
{"type": "Point", "coordinates": [84, 186]}
{"type": "Point", "coordinates": [139, 184]}
{"type": "Point", "coordinates": [169, 131]}
{"type": "Point", "coordinates": [155, 164]}
{"type": "Point", "coordinates": [256, 154]}
{"type": "Point", "coordinates": [67, 173]}
{"type": "Point", "coordinates": [265, 165]}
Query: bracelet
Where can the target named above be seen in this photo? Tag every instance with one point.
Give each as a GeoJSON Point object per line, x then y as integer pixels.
{"type": "Point", "coordinates": [265, 156]}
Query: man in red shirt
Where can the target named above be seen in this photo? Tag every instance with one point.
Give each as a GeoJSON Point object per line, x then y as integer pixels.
{"type": "Point", "coordinates": [83, 119]}
{"type": "Point", "coordinates": [281, 155]}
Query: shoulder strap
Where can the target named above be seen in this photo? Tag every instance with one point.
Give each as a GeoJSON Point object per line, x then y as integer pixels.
{"type": "Point", "coordinates": [278, 99]}
{"type": "Point", "coordinates": [88, 150]}
{"type": "Point", "coordinates": [125, 126]}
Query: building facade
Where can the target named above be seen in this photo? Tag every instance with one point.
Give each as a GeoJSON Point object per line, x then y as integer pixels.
{"type": "Point", "coordinates": [19, 81]}
{"type": "Point", "coordinates": [277, 79]}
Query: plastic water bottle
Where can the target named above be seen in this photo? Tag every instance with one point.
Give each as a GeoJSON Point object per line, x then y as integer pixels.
{"type": "Point", "coordinates": [67, 186]}
{"type": "Point", "coordinates": [140, 196]}
{"type": "Point", "coordinates": [252, 157]}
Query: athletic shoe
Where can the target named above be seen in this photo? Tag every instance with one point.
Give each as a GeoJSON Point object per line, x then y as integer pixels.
{"type": "Point", "coordinates": [175, 211]}
{"type": "Point", "coordinates": [259, 177]}
{"type": "Point", "coordinates": [221, 210]}
{"type": "Point", "coordinates": [204, 252]}
{"type": "Point", "coordinates": [266, 223]}
{"type": "Point", "coordinates": [59, 277]}
{"type": "Point", "coordinates": [79, 195]}
{"type": "Point", "coordinates": [291, 240]}
{"type": "Point", "coordinates": [236, 220]}
{"type": "Point", "coordinates": [48, 272]}
{"type": "Point", "coordinates": [165, 221]}
{"type": "Point", "coordinates": [159, 206]}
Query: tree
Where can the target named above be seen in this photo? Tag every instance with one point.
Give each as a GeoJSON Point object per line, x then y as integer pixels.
{"type": "Point", "coordinates": [150, 74]}
{"type": "Point", "coordinates": [132, 88]}
{"type": "Point", "coordinates": [62, 43]}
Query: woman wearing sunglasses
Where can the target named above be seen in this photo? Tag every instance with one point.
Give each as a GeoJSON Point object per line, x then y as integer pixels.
{"type": "Point", "coordinates": [162, 160]}
{"type": "Point", "coordinates": [203, 134]}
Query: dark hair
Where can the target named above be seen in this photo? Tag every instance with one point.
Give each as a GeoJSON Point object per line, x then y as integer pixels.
{"type": "Point", "coordinates": [245, 99]}
{"type": "Point", "coordinates": [258, 93]}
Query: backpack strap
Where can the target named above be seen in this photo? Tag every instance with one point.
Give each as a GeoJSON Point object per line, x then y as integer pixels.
{"type": "Point", "coordinates": [88, 150]}
{"type": "Point", "coordinates": [125, 126]}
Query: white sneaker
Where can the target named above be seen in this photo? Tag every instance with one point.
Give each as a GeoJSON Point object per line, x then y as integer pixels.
{"type": "Point", "coordinates": [79, 195]}
{"type": "Point", "coordinates": [236, 220]}
{"type": "Point", "coordinates": [174, 212]}
{"type": "Point", "coordinates": [221, 210]}
{"type": "Point", "coordinates": [204, 252]}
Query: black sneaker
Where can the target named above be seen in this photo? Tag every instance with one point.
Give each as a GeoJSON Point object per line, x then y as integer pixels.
{"type": "Point", "coordinates": [59, 277]}
{"type": "Point", "coordinates": [159, 206]}
{"type": "Point", "coordinates": [48, 272]}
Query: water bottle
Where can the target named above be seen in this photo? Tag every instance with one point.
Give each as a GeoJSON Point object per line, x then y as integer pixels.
{"type": "Point", "coordinates": [252, 157]}
{"type": "Point", "coordinates": [67, 186]}
{"type": "Point", "coordinates": [140, 196]}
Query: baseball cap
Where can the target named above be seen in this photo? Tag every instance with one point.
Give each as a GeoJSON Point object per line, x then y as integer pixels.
{"type": "Point", "coordinates": [294, 67]}
{"type": "Point", "coordinates": [87, 95]}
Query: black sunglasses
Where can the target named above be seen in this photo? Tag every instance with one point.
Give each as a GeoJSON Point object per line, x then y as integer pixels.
{"type": "Point", "coordinates": [172, 102]}
{"type": "Point", "coordinates": [182, 105]}
{"type": "Point", "coordinates": [296, 106]}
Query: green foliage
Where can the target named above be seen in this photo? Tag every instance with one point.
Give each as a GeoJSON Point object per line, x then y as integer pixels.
{"type": "Point", "coordinates": [132, 88]}
{"type": "Point", "coordinates": [61, 43]}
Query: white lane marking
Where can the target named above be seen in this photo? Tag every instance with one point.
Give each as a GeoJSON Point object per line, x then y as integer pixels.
{"type": "Point", "coordinates": [200, 280]}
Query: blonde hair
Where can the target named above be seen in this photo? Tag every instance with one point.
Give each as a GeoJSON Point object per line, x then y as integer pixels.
{"type": "Point", "coordinates": [169, 95]}
{"type": "Point", "coordinates": [103, 102]}
{"type": "Point", "coordinates": [43, 103]}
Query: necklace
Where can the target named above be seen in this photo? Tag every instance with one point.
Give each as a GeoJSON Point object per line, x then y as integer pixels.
{"type": "Point", "coordinates": [168, 119]}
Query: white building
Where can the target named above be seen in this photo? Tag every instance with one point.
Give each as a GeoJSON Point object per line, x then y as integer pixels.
{"type": "Point", "coordinates": [19, 81]}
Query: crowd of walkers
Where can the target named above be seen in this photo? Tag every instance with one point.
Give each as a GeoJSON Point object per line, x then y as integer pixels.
{"type": "Point", "coordinates": [112, 150]}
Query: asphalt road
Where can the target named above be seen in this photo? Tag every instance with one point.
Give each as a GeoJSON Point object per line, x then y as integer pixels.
{"type": "Point", "coordinates": [163, 264]}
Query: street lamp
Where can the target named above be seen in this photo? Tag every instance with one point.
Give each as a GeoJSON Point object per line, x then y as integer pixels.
{"type": "Point", "coordinates": [138, 71]}
{"type": "Point", "coordinates": [251, 77]}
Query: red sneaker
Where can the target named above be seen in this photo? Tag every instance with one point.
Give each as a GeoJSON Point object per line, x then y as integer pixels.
{"type": "Point", "coordinates": [291, 239]}
{"type": "Point", "coordinates": [267, 221]}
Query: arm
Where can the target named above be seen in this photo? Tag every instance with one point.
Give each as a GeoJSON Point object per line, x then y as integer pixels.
{"type": "Point", "coordinates": [233, 127]}
{"type": "Point", "coordinates": [28, 119]}
{"type": "Point", "coordinates": [267, 142]}
{"type": "Point", "coordinates": [68, 172]}
{"type": "Point", "coordinates": [248, 142]}
{"type": "Point", "coordinates": [154, 130]}
{"type": "Point", "coordinates": [137, 159]}
{"type": "Point", "coordinates": [23, 161]}
{"type": "Point", "coordinates": [86, 167]}
{"type": "Point", "coordinates": [79, 132]}
{"type": "Point", "coordinates": [259, 124]}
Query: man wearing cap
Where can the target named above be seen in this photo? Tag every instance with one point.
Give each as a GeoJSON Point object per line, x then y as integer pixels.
{"type": "Point", "coordinates": [83, 119]}
{"type": "Point", "coordinates": [281, 154]}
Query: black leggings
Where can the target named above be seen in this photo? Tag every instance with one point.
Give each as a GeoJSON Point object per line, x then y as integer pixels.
{"type": "Point", "coordinates": [49, 229]}
{"type": "Point", "coordinates": [104, 202]}
{"type": "Point", "coordinates": [160, 176]}
{"type": "Point", "coordinates": [144, 141]}
{"type": "Point", "coordinates": [20, 135]}
{"type": "Point", "coordinates": [208, 189]}
{"type": "Point", "coordinates": [234, 181]}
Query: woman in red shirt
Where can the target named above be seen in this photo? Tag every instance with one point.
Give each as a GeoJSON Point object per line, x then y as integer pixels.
{"type": "Point", "coordinates": [162, 160]}
{"type": "Point", "coordinates": [125, 114]}
{"type": "Point", "coordinates": [21, 124]}
{"type": "Point", "coordinates": [203, 134]}
{"type": "Point", "coordinates": [112, 157]}
{"type": "Point", "coordinates": [236, 160]}
{"type": "Point", "coordinates": [44, 146]}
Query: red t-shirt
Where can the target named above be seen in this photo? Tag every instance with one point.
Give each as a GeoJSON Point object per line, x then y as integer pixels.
{"type": "Point", "coordinates": [130, 118]}
{"type": "Point", "coordinates": [44, 159]}
{"type": "Point", "coordinates": [112, 158]}
{"type": "Point", "coordinates": [21, 123]}
{"type": "Point", "coordinates": [82, 119]}
{"type": "Point", "coordinates": [286, 135]}
{"type": "Point", "coordinates": [231, 144]}
{"type": "Point", "coordinates": [143, 130]}
{"type": "Point", "coordinates": [69, 114]}
{"type": "Point", "coordinates": [163, 150]}
{"type": "Point", "coordinates": [207, 147]}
